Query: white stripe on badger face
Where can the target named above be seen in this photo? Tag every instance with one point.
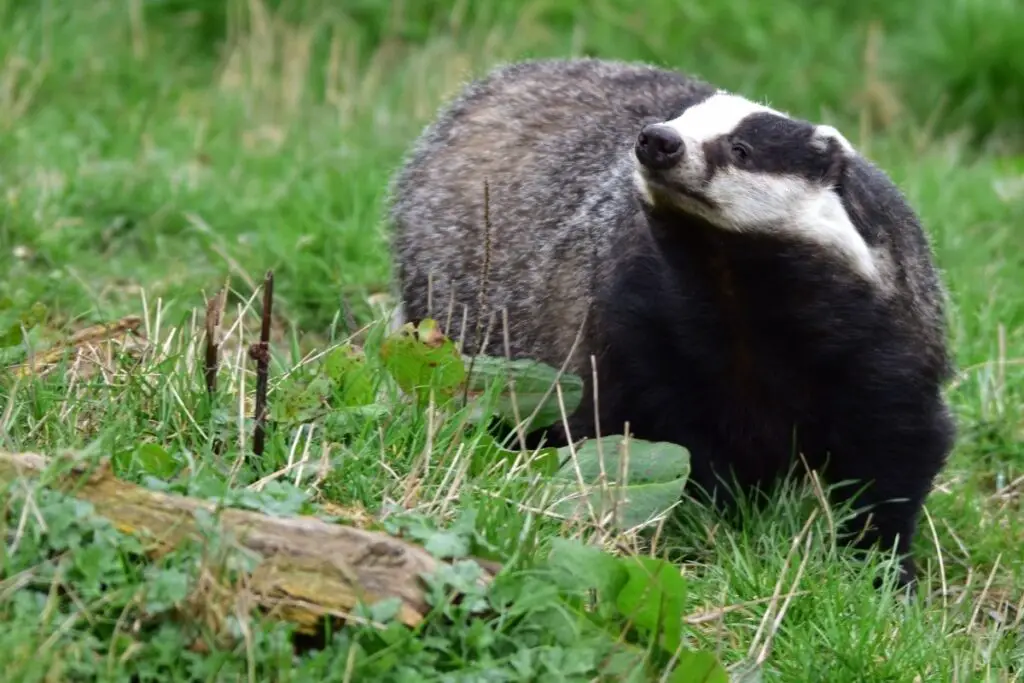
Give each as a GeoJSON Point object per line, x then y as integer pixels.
{"type": "Point", "coordinates": [758, 202]}
{"type": "Point", "coordinates": [716, 116]}
{"type": "Point", "coordinates": [747, 201]}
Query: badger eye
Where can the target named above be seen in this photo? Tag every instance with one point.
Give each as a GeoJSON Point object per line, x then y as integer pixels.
{"type": "Point", "coordinates": [740, 151]}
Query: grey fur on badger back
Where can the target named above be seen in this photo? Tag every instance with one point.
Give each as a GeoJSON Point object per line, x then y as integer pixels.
{"type": "Point", "coordinates": [749, 285]}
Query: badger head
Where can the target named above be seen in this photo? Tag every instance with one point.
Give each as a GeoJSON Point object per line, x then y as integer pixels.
{"type": "Point", "coordinates": [747, 168]}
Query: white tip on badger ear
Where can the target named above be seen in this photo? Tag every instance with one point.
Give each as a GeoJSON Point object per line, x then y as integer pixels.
{"type": "Point", "coordinates": [824, 134]}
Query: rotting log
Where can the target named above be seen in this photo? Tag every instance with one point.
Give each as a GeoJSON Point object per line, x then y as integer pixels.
{"type": "Point", "coordinates": [307, 568]}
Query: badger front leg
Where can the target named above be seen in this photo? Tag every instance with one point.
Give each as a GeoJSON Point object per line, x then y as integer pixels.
{"type": "Point", "coordinates": [887, 451]}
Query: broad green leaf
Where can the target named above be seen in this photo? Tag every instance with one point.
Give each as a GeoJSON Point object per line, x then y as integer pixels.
{"type": "Point", "coordinates": [653, 599]}
{"type": "Point", "coordinates": [488, 451]}
{"type": "Point", "coordinates": [421, 358]}
{"type": "Point", "coordinates": [626, 664]}
{"type": "Point", "coordinates": [591, 567]}
{"type": "Point", "coordinates": [352, 419]}
{"type": "Point", "coordinates": [445, 544]}
{"type": "Point", "coordinates": [297, 401]}
{"type": "Point", "coordinates": [166, 587]}
{"type": "Point", "coordinates": [698, 667]}
{"type": "Point", "coordinates": [13, 336]}
{"type": "Point", "coordinates": [455, 541]}
{"type": "Point", "coordinates": [647, 461]}
{"type": "Point", "coordinates": [155, 461]}
{"type": "Point", "coordinates": [534, 385]}
{"type": "Point", "coordinates": [637, 505]}
{"type": "Point", "coordinates": [748, 672]}
{"type": "Point", "coordinates": [346, 367]}
{"type": "Point", "coordinates": [655, 476]}
{"type": "Point", "coordinates": [386, 609]}
{"type": "Point", "coordinates": [34, 315]}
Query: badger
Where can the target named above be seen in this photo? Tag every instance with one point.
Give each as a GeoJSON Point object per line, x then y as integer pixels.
{"type": "Point", "coordinates": [737, 280]}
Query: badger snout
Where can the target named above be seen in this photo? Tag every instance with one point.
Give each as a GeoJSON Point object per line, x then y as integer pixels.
{"type": "Point", "coordinates": [659, 147]}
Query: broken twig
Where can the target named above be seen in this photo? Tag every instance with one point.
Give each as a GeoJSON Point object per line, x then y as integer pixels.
{"type": "Point", "coordinates": [214, 314]}
{"type": "Point", "coordinates": [260, 352]}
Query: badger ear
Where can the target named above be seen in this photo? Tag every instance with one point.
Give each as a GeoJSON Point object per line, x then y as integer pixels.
{"type": "Point", "coordinates": [837, 151]}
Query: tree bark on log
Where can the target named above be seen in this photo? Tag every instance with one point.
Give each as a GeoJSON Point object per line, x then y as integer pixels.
{"type": "Point", "coordinates": [308, 568]}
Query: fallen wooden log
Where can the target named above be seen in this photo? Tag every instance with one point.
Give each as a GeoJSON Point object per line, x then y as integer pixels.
{"type": "Point", "coordinates": [307, 568]}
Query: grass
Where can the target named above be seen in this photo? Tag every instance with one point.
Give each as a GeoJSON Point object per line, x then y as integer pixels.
{"type": "Point", "coordinates": [150, 150]}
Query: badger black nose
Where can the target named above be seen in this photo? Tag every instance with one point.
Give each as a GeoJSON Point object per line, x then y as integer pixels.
{"type": "Point", "coordinates": [659, 147]}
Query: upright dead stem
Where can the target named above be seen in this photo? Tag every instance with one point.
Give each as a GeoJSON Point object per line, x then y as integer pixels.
{"type": "Point", "coordinates": [482, 295]}
{"type": "Point", "coordinates": [214, 315]}
{"type": "Point", "coordinates": [773, 615]}
{"type": "Point", "coordinates": [260, 352]}
{"type": "Point", "coordinates": [520, 433]}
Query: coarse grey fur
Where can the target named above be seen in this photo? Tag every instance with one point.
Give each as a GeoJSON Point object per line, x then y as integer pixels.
{"type": "Point", "coordinates": [552, 139]}
{"type": "Point", "coordinates": [572, 249]}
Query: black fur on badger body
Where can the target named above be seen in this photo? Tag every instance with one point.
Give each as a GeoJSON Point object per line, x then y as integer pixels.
{"type": "Point", "coordinates": [749, 285]}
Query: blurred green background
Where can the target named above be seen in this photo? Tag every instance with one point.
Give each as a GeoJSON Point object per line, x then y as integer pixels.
{"type": "Point", "coordinates": [158, 142]}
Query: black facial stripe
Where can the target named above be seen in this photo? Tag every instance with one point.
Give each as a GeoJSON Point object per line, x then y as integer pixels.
{"type": "Point", "coordinates": [778, 145]}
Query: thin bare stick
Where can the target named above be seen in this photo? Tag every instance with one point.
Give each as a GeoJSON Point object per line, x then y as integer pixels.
{"type": "Point", "coordinates": [942, 567]}
{"type": "Point", "coordinates": [214, 315]}
{"type": "Point", "coordinates": [260, 352]}
{"type": "Point", "coordinates": [794, 546]}
{"type": "Point", "coordinates": [597, 402]}
{"type": "Point", "coordinates": [430, 293]}
{"type": "Point", "coordinates": [718, 613]}
{"type": "Point", "coordinates": [450, 312]}
{"type": "Point", "coordinates": [462, 327]}
{"type": "Point", "coordinates": [819, 493]}
{"type": "Point", "coordinates": [512, 382]}
{"type": "Point", "coordinates": [482, 294]}
{"type": "Point", "coordinates": [984, 594]}
{"type": "Point", "coordinates": [770, 636]}
{"type": "Point", "coordinates": [561, 371]}
{"type": "Point", "coordinates": [575, 461]}
{"type": "Point", "coordinates": [597, 433]}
